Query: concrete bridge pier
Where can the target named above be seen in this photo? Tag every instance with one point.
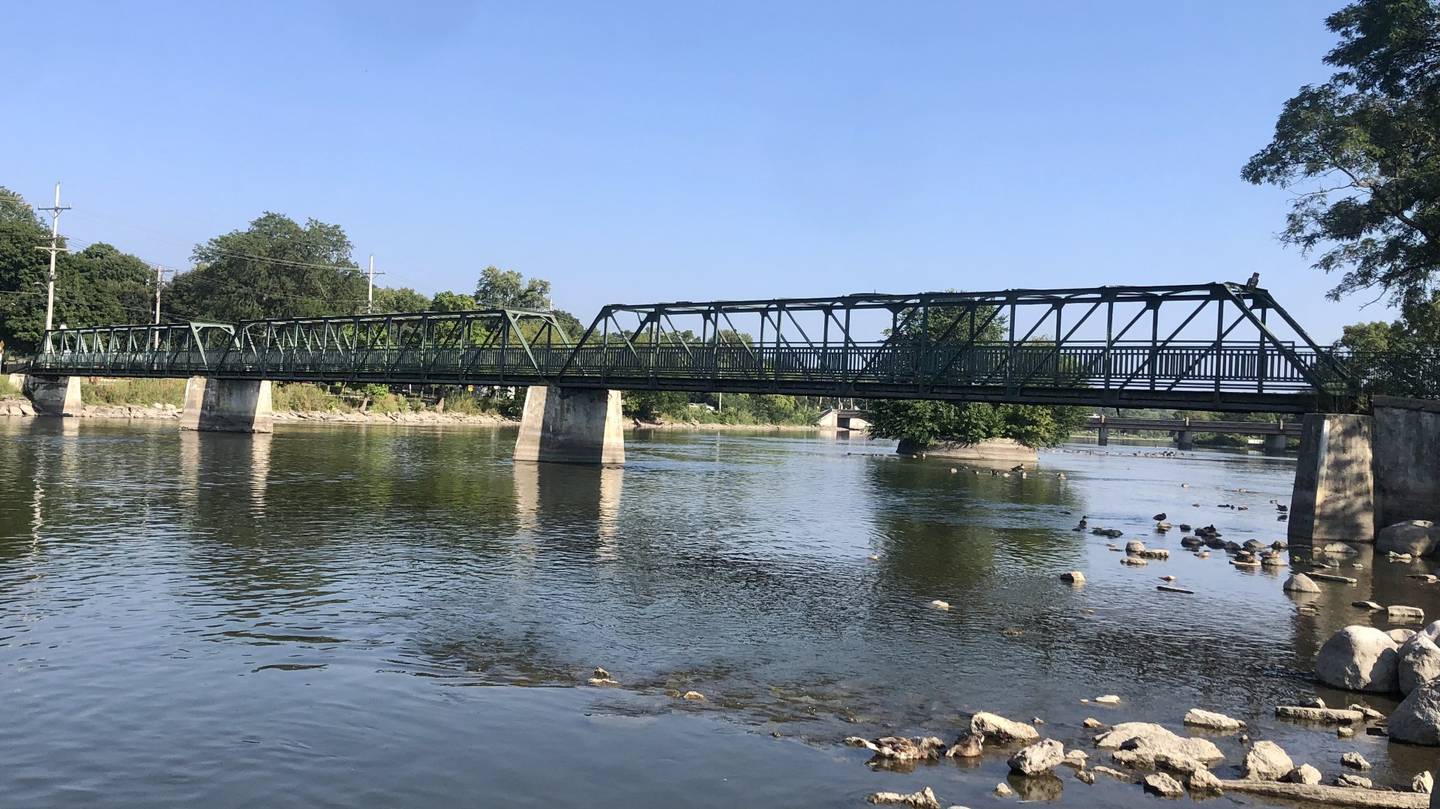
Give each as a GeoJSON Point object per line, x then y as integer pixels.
{"type": "Point", "coordinates": [1102, 433]}
{"type": "Point", "coordinates": [227, 405]}
{"type": "Point", "coordinates": [1184, 440]}
{"type": "Point", "coordinates": [54, 395]}
{"type": "Point", "coordinates": [571, 425]}
{"type": "Point", "coordinates": [1334, 496]}
{"type": "Point", "coordinates": [1276, 444]}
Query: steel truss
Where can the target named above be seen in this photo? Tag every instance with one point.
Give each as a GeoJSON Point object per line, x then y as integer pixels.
{"type": "Point", "coordinates": [1213, 346]}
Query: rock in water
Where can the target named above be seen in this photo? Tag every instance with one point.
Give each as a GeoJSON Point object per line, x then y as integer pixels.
{"type": "Point", "coordinates": [1360, 658]}
{"type": "Point", "coordinates": [968, 746]}
{"type": "Point", "coordinates": [1300, 583]}
{"type": "Point", "coordinates": [693, 696]}
{"type": "Point", "coordinates": [1108, 699]}
{"type": "Point", "coordinates": [1304, 774]}
{"type": "Point", "coordinates": [1401, 614]}
{"type": "Point", "coordinates": [924, 799]}
{"type": "Point", "coordinates": [1339, 549]}
{"type": "Point", "coordinates": [1267, 761]}
{"type": "Point", "coordinates": [1042, 756]}
{"type": "Point", "coordinates": [1001, 729]}
{"type": "Point", "coordinates": [1209, 719]}
{"type": "Point", "coordinates": [900, 748]}
{"type": "Point", "coordinates": [1417, 719]}
{"type": "Point", "coordinates": [1073, 577]}
{"type": "Point", "coordinates": [940, 605]}
{"type": "Point", "coordinates": [1134, 546]}
{"type": "Point", "coordinates": [1354, 781]}
{"type": "Point", "coordinates": [1147, 737]}
{"type": "Point", "coordinates": [1423, 782]}
{"type": "Point", "coordinates": [1415, 537]}
{"type": "Point", "coordinates": [1003, 790]}
{"type": "Point", "coordinates": [1158, 783]}
{"type": "Point", "coordinates": [1354, 761]}
{"type": "Point", "coordinates": [1419, 662]}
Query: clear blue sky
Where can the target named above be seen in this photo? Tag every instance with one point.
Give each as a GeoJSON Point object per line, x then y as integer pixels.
{"type": "Point", "coordinates": [654, 151]}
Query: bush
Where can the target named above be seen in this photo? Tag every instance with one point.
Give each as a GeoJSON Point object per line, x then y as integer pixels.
{"type": "Point", "coordinates": [926, 422]}
{"type": "Point", "coordinates": [305, 397]}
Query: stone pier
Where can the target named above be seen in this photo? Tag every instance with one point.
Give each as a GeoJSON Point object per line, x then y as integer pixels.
{"type": "Point", "coordinates": [227, 405]}
{"type": "Point", "coordinates": [571, 425]}
{"type": "Point", "coordinates": [1276, 444]}
{"type": "Point", "coordinates": [54, 395]}
{"type": "Point", "coordinates": [1407, 460]}
{"type": "Point", "coordinates": [1334, 496]}
{"type": "Point", "coordinates": [1185, 440]}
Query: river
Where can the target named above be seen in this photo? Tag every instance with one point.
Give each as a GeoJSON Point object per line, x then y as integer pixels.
{"type": "Point", "coordinates": [368, 616]}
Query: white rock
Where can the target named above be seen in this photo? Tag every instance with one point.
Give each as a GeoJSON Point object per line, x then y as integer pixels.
{"type": "Point", "coordinates": [1134, 546]}
{"type": "Point", "coordinates": [1423, 783]}
{"type": "Point", "coordinates": [1401, 614]}
{"type": "Point", "coordinates": [1209, 719]}
{"type": "Point", "coordinates": [940, 605]}
{"type": "Point", "coordinates": [924, 799]}
{"type": "Point", "coordinates": [1354, 781]}
{"type": "Point", "coordinates": [1042, 756]}
{"type": "Point", "coordinates": [1300, 583]}
{"type": "Point", "coordinates": [1267, 761]}
{"type": "Point", "coordinates": [1108, 699]}
{"type": "Point", "coordinates": [1417, 719]}
{"type": "Point", "coordinates": [1073, 577]}
{"type": "Point", "coordinates": [1203, 781]}
{"type": "Point", "coordinates": [1152, 738]}
{"type": "Point", "coordinates": [1419, 662]}
{"type": "Point", "coordinates": [1359, 658]}
{"type": "Point", "coordinates": [1001, 729]}
{"type": "Point", "coordinates": [1354, 761]}
{"type": "Point", "coordinates": [1304, 774]}
{"type": "Point", "coordinates": [1003, 790]}
{"type": "Point", "coordinates": [1158, 783]}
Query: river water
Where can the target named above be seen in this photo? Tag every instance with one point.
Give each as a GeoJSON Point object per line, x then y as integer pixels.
{"type": "Point", "coordinates": [383, 617]}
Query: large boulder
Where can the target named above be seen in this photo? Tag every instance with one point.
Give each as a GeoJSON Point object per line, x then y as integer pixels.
{"type": "Point", "coordinates": [1419, 662]}
{"type": "Point", "coordinates": [997, 727]}
{"type": "Point", "coordinates": [1042, 756]}
{"type": "Point", "coordinates": [1415, 537]}
{"type": "Point", "coordinates": [1360, 658]}
{"type": "Point", "coordinates": [1267, 761]}
{"type": "Point", "coordinates": [1148, 737]}
{"type": "Point", "coordinates": [1417, 720]}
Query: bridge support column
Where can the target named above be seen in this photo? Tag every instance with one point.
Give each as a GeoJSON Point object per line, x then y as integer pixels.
{"type": "Point", "coordinates": [1276, 444]}
{"type": "Point", "coordinates": [571, 425]}
{"type": "Point", "coordinates": [227, 405]}
{"type": "Point", "coordinates": [54, 395]}
{"type": "Point", "coordinates": [1334, 497]}
{"type": "Point", "coordinates": [1104, 435]}
{"type": "Point", "coordinates": [1185, 440]}
{"type": "Point", "coordinates": [1407, 460]}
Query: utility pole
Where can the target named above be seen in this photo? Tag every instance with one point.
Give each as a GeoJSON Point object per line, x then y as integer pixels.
{"type": "Point", "coordinates": [160, 273]}
{"type": "Point", "coordinates": [370, 287]}
{"type": "Point", "coordinates": [53, 249]}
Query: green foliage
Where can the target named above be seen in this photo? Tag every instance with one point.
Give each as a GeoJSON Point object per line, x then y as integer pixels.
{"type": "Point", "coordinates": [273, 268]}
{"type": "Point", "coordinates": [508, 289]}
{"type": "Point", "coordinates": [6, 389]}
{"type": "Point", "coordinates": [650, 405]}
{"type": "Point", "coordinates": [1361, 152]}
{"type": "Point", "coordinates": [1401, 358]}
{"type": "Point", "coordinates": [925, 422]}
{"type": "Point", "coordinates": [452, 302]}
{"type": "Point", "coordinates": [305, 397]}
{"type": "Point", "coordinates": [136, 391]}
{"type": "Point", "coordinates": [399, 299]}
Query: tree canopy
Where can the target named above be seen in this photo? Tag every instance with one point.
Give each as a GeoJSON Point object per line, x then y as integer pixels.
{"type": "Point", "coordinates": [1362, 152]}
{"type": "Point", "coordinates": [274, 268]}
{"type": "Point", "coordinates": [508, 289]}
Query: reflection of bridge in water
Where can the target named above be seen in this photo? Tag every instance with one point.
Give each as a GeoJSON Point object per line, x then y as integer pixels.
{"type": "Point", "coordinates": [1216, 347]}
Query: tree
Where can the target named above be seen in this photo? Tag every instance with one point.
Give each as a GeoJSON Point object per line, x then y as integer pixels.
{"type": "Point", "coordinates": [100, 286]}
{"type": "Point", "coordinates": [1363, 153]}
{"type": "Point", "coordinates": [275, 268]}
{"type": "Point", "coordinates": [22, 272]}
{"type": "Point", "coordinates": [452, 302]}
{"type": "Point", "coordinates": [399, 299]}
{"type": "Point", "coordinates": [1399, 358]}
{"type": "Point", "coordinates": [508, 289]}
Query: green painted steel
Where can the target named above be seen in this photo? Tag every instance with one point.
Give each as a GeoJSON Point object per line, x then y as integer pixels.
{"type": "Point", "coordinates": [1216, 346]}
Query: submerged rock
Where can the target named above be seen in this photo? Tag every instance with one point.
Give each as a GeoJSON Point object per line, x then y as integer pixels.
{"type": "Point", "coordinates": [1267, 761]}
{"type": "Point", "coordinates": [924, 799]}
{"type": "Point", "coordinates": [901, 748]}
{"type": "Point", "coordinates": [1359, 658]}
{"type": "Point", "coordinates": [1001, 729]}
{"type": "Point", "coordinates": [693, 696]}
{"type": "Point", "coordinates": [1108, 699]}
{"type": "Point", "coordinates": [602, 677]}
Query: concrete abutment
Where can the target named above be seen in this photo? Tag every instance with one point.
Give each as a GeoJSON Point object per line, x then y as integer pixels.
{"type": "Point", "coordinates": [1334, 495]}
{"type": "Point", "coordinates": [571, 425]}
{"type": "Point", "coordinates": [227, 405]}
{"type": "Point", "coordinates": [54, 395]}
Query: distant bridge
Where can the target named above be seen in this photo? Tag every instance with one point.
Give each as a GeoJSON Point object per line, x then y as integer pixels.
{"type": "Point", "coordinates": [1217, 346]}
{"type": "Point", "coordinates": [1276, 433]}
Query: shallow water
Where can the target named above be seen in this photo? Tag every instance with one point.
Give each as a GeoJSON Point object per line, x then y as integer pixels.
{"type": "Point", "coordinates": [372, 616]}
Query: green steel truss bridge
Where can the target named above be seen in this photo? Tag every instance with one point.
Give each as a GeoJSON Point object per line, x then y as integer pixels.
{"type": "Point", "coordinates": [1217, 346]}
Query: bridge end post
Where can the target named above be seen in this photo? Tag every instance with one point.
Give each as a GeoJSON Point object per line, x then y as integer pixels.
{"type": "Point", "coordinates": [1334, 496]}
{"type": "Point", "coordinates": [227, 405]}
{"type": "Point", "coordinates": [571, 425]}
{"type": "Point", "coordinates": [54, 395]}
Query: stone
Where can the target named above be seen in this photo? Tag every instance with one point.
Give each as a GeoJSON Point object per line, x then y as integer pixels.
{"type": "Point", "coordinates": [1158, 783]}
{"type": "Point", "coordinates": [1417, 719]}
{"type": "Point", "coordinates": [1073, 577]}
{"type": "Point", "coordinates": [1135, 546]}
{"type": "Point", "coordinates": [1042, 756]}
{"type": "Point", "coordinates": [1304, 774]}
{"type": "Point", "coordinates": [1200, 718]}
{"type": "Point", "coordinates": [1076, 758]}
{"type": "Point", "coordinates": [1401, 635]}
{"type": "Point", "coordinates": [1345, 731]}
{"type": "Point", "coordinates": [1359, 658]}
{"type": "Point", "coordinates": [1414, 537]}
{"type": "Point", "coordinates": [1328, 716]}
{"type": "Point", "coordinates": [1354, 761]}
{"type": "Point", "coordinates": [1085, 776]}
{"type": "Point", "coordinates": [1152, 738]}
{"type": "Point", "coordinates": [1154, 553]}
{"type": "Point", "coordinates": [1335, 577]}
{"type": "Point", "coordinates": [1092, 723]}
{"type": "Point", "coordinates": [1320, 795]}
{"type": "Point", "coordinates": [1113, 773]}
{"type": "Point", "coordinates": [1108, 699]}
{"type": "Point", "coordinates": [940, 605]}
{"type": "Point", "coordinates": [924, 799]}
{"type": "Point", "coordinates": [602, 677]}
{"type": "Point", "coordinates": [1133, 561]}
{"type": "Point", "coordinates": [1267, 761]}
{"type": "Point", "coordinates": [693, 696]}
{"type": "Point", "coordinates": [1338, 549]}
{"type": "Point", "coordinates": [1191, 542]}
{"type": "Point", "coordinates": [968, 746]}
{"type": "Point", "coordinates": [1003, 790]}
{"type": "Point", "coordinates": [1354, 781]}
{"type": "Point", "coordinates": [1203, 780]}
{"type": "Point", "coordinates": [1419, 662]}
{"type": "Point", "coordinates": [901, 748]}
{"type": "Point", "coordinates": [1401, 614]}
{"type": "Point", "coordinates": [1367, 605]}
{"type": "Point", "coordinates": [1423, 782]}
{"type": "Point", "coordinates": [1001, 729]}
{"type": "Point", "coordinates": [1300, 583]}
{"type": "Point", "coordinates": [1366, 711]}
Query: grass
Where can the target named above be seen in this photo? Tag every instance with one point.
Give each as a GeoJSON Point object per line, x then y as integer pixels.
{"type": "Point", "coordinates": [305, 397]}
{"type": "Point", "coordinates": [135, 391]}
{"type": "Point", "coordinates": [6, 389]}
